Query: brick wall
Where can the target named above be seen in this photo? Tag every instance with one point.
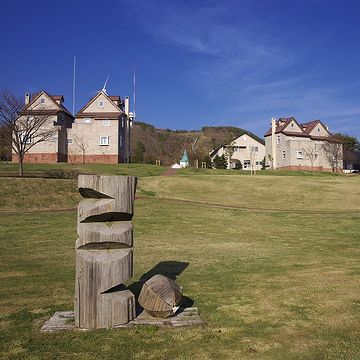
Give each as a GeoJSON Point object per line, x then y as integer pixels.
{"type": "Point", "coordinates": [308, 168]}
{"type": "Point", "coordinates": [38, 158]}
{"type": "Point", "coordinates": [94, 159]}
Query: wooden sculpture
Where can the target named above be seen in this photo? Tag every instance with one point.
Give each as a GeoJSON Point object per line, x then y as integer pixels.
{"type": "Point", "coordinates": [104, 255]}
{"type": "Point", "coordinates": [159, 296]}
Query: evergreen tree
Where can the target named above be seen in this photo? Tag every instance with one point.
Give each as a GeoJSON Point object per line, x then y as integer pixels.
{"type": "Point", "coordinates": [220, 162]}
{"type": "Point", "coordinates": [138, 157]}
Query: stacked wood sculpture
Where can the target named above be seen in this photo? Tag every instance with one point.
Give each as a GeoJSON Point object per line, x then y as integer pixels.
{"type": "Point", "coordinates": [104, 255]}
{"type": "Point", "coordinates": [159, 296]}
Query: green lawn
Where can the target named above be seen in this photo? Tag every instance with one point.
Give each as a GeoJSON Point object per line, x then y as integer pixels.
{"type": "Point", "coordinates": [270, 284]}
{"type": "Point", "coordinates": [50, 170]}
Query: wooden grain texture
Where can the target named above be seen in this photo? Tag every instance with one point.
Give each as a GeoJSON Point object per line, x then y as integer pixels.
{"type": "Point", "coordinates": [104, 254]}
{"type": "Point", "coordinates": [159, 295]}
{"type": "Point", "coordinates": [120, 232]}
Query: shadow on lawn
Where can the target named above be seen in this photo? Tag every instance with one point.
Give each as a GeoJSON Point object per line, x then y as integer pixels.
{"type": "Point", "coordinates": [170, 269]}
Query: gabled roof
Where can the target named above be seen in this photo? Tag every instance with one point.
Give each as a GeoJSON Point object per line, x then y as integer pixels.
{"type": "Point", "coordinates": [306, 128]}
{"type": "Point", "coordinates": [281, 124]}
{"type": "Point", "coordinates": [233, 139]}
{"type": "Point", "coordinates": [309, 126]}
{"type": "Point", "coordinates": [61, 108]}
{"type": "Point", "coordinates": [111, 99]}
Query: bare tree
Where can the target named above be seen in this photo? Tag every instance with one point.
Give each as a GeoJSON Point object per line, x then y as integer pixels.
{"type": "Point", "coordinates": [228, 152]}
{"type": "Point", "coordinates": [81, 143]}
{"type": "Point", "coordinates": [311, 155]}
{"type": "Point", "coordinates": [252, 160]}
{"type": "Point", "coordinates": [333, 152]}
{"type": "Point", "coordinates": [24, 128]}
{"type": "Point", "coordinates": [271, 160]}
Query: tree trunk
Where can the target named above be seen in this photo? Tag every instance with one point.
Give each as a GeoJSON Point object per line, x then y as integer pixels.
{"type": "Point", "coordinates": [21, 165]}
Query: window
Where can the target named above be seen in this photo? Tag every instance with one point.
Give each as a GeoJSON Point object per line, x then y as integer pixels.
{"type": "Point", "coordinates": [318, 129]}
{"type": "Point", "coordinates": [292, 124]}
{"type": "Point", "coordinates": [104, 140]}
{"type": "Point", "coordinates": [106, 122]}
{"type": "Point", "coordinates": [101, 104]}
{"type": "Point", "coordinates": [69, 141]}
{"type": "Point", "coordinates": [284, 154]}
{"type": "Point", "coordinates": [246, 164]}
{"type": "Point", "coordinates": [25, 139]}
{"type": "Point", "coordinates": [120, 141]}
{"type": "Point", "coordinates": [87, 121]}
{"type": "Point", "coordinates": [42, 101]}
{"type": "Point", "coordinates": [278, 139]}
{"type": "Point", "coordinates": [299, 154]}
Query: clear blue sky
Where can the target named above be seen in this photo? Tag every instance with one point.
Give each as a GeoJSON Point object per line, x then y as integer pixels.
{"type": "Point", "coordinates": [197, 62]}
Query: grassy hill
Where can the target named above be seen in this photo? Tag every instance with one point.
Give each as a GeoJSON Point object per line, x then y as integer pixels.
{"type": "Point", "coordinates": [275, 274]}
{"type": "Point", "coordinates": [149, 143]}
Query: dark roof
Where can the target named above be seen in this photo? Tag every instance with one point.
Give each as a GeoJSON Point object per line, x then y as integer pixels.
{"type": "Point", "coordinates": [280, 125]}
{"type": "Point", "coordinates": [112, 98]}
{"type": "Point", "coordinates": [306, 129]}
{"type": "Point", "coordinates": [34, 96]}
{"type": "Point", "coordinates": [309, 126]}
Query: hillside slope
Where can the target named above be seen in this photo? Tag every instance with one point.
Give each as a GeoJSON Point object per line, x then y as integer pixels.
{"type": "Point", "coordinates": [149, 144]}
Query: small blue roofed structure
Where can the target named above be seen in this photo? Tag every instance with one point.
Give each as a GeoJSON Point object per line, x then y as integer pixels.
{"type": "Point", "coordinates": [184, 162]}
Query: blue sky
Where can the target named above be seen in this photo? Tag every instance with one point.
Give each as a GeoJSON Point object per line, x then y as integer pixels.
{"type": "Point", "coordinates": [197, 62]}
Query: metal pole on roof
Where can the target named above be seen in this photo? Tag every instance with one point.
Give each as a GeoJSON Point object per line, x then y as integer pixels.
{"type": "Point", "coordinates": [134, 88]}
{"type": "Point", "coordinates": [74, 73]}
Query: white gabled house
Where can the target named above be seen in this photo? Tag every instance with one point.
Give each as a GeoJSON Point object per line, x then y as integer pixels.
{"type": "Point", "coordinates": [246, 149]}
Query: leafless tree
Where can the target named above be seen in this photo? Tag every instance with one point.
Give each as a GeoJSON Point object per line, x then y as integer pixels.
{"type": "Point", "coordinates": [24, 128]}
{"type": "Point", "coordinates": [271, 160]}
{"type": "Point", "coordinates": [333, 152]}
{"type": "Point", "coordinates": [252, 160]}
{"type": "Point", "coordinates": [82, 145]}
{"type": "Point", "coordinates": [228, 152]}
{"type": "Point", "coordinates": [310, 154]}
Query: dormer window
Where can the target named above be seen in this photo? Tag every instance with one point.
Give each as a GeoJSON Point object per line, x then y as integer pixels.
{"type": "Point", "coordinates": [42, 101]}
{"type": "Point", "coordinates": [101, 103]}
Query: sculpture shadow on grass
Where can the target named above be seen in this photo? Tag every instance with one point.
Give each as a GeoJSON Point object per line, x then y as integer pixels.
{"type": "Point", "coordinates": [170, 269]}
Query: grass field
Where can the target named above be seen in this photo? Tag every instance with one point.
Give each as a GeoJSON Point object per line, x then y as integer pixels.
{"type": "Point", "coordinates": [51, 170]}
{"type": "Point", "coordinates": [273, 266]}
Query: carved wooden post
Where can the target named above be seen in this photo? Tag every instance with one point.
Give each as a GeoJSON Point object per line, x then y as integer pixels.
{"type": "Point", "coordinates": [104, 251]}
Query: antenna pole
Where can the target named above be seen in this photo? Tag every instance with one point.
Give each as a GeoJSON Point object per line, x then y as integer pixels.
{"type": "Point", "coordinates": [134, 88]}
{"type": "Point", "coordinates": [74, 73]}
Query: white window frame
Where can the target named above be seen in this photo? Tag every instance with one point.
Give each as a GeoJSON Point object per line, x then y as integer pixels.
{"type": "Point", "coordinates": [299, 154]}
{"type": "Point", "coordinates": [28, 140]}
{"type": "Point", "coordinates": [101, 104]}
{"type": "Point", "coordinates": [87, 121]}
{"type": "Point", "coordinates": [42, 100]}
{"type": "Point", "coordinates": [106, 141]}
{"type": "Point", "coordinates": [106, 122]}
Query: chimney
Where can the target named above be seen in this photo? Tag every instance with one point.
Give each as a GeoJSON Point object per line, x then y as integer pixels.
{"type": "Point", "coordinates": [127, 105]}
{"type": "Point", "coordinates": [27, 98]}
{"type": "Point", "coordinates": [273, 142]}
